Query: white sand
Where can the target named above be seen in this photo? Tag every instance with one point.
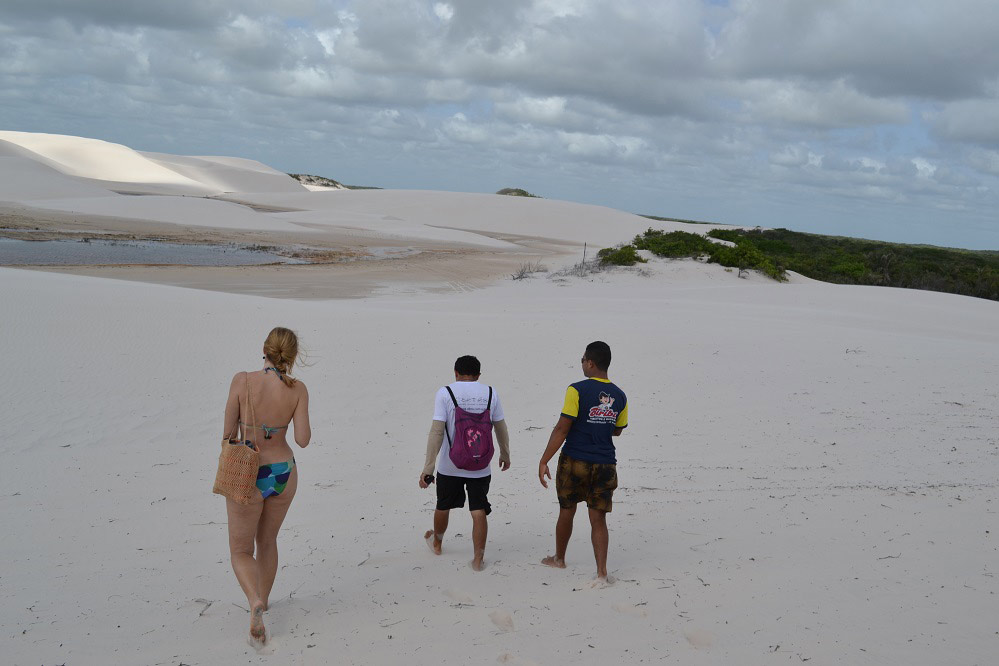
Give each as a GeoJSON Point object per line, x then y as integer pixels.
{"type": "Point", "coordinates": [810, 474]}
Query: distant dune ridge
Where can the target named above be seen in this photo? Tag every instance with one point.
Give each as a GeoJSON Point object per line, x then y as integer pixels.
{"type": "Point", "coordinates": [88, 176]}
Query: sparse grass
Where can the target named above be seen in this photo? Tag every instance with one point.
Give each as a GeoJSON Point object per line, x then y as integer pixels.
{"type": "Point", "coordinates": [527, 269]}
{"type": "Point", "coordinates": [580, 269]}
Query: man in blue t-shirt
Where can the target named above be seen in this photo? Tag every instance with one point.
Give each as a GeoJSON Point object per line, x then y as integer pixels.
{"type": "Point", "coordinates": [595, 410]}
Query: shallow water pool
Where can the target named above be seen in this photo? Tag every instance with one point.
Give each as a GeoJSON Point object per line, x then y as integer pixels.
{"type": "Point", "coordinates": [90, 252]}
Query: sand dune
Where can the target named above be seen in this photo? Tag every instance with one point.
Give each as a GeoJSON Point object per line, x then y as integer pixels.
{"type": "Point", "coordinates": [809, 475]}
{"type": "Point", "coordinates": [92, 158]}
{"type": "Point", "coordinates": [83, 175]}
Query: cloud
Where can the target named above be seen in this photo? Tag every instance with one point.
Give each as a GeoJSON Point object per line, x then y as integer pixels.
{"type": "Point", "coordinates": [973, 121]}
{"type": "Point", "coordinates": [728, 106]}
{"type": "Point", "coordinates": [822, 105]}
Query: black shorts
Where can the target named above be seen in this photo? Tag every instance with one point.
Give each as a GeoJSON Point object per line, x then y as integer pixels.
{"type": "Point", "coordinates": [451, 493]}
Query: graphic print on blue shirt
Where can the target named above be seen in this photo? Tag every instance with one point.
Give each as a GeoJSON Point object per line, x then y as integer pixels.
{"type": "Point", "coordinates": [597, 408]}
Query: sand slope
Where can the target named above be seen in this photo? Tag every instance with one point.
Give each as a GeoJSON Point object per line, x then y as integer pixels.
{"type": "Point", "coordinates": [809, 475]}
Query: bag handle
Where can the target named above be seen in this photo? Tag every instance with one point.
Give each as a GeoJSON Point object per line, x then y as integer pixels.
{"type": "Point", "coordinates": [249, 409]}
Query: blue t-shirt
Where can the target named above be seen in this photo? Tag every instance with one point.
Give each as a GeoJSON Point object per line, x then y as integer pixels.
{"type": "Point", "coordinates": [597, 407]}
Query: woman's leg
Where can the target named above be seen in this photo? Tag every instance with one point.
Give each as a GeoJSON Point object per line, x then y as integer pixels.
{"type": "Point", "coordinates": [275, 509]}
{"type": "Point", "coordinates": [243, 520]}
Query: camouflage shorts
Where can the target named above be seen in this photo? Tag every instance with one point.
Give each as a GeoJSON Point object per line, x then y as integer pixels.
{"type": "Point", "coordinates": [579, 481]}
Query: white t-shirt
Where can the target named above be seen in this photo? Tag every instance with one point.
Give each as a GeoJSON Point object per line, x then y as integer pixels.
{"type": "Point", "coordinates": [472, 397]}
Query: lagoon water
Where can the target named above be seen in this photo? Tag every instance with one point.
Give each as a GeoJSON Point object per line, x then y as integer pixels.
{"type": "Point", "coordinates": [97, 252]}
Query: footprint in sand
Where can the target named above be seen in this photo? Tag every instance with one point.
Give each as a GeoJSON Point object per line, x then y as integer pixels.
{"type": "Point", "coordinates": [700, 639]}
{"type": "Point", "coordinates": [263, 649]}
{"type": "Point", "coordinates": [507, 658]}
{"type": "Point", "coordinates": [601, 583]}
{"type": "Point", "coordinates": [502, 619]}
{"type": "Point", "coordinates": [629, 609]}
{"type": "Point", "coordinates": [458, 596]}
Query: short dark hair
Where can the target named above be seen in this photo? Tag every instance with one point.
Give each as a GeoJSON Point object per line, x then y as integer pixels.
{"type": "Point", "coordinates": [467, 365]}
{"type": "Point", "coordinates": [599, 353]}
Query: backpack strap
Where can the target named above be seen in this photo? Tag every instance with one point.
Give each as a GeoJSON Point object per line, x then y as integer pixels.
{"type": "Point", "coordinates": [490, 403]}
{"type": "Point", "coordinates": [454, 400]}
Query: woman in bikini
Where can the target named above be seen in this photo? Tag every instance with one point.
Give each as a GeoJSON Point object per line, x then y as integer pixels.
{"type": "Point", "coordinates": [277, 400]}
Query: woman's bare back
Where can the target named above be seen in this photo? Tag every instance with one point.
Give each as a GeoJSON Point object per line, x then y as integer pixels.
{"type": "Point", "coordinates": [276, 408]}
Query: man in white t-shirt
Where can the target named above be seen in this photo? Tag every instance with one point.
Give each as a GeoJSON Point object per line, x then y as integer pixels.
{"type": "Point", "coordinates": [453, 483]}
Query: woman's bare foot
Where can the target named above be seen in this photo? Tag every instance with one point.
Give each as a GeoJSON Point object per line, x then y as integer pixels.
{"type": "Point", "coordinates": [258, 633]}
{"type": "Point", "coordinates": [552, 561]}
{"type": "Point", "coordinates": [433, 543]}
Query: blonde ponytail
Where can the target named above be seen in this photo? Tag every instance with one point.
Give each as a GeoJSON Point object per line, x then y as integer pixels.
{"type": "Point", "coordinates": [281, 349]}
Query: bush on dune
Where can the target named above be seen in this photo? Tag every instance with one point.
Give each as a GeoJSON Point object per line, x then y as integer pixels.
{"type": "Point", "coordinates": [623, 255]}
{"type": "Point", "coordinates": [681, 244]}
{"type": "Point", "coordinates": [517, 192]}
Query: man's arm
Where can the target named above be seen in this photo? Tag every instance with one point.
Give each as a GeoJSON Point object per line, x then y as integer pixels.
{"type": "Point", "coordinates": [617, 431]}
{"type": "Point", "coordinates": [557, 438]}
{"type": "Point", "coordinates": [434, 442]}
{"type": "Point", "coordinates": [503, 439]}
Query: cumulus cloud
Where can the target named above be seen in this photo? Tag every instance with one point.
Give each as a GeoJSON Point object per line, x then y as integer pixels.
{"type": "Point", "coordinates": [668, 101]}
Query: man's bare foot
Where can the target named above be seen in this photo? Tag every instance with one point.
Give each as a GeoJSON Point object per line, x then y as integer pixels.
{"type": "Point", "coordinates": [477, 564]}
{"type": "Point", "coordinates": [600, 582]}
{"type": "Point", "coordinates": [258, 633]}
{"type": "Point", "coordinates": [433, 543]}
{"type": "Point", "coordinates": [552, 561]}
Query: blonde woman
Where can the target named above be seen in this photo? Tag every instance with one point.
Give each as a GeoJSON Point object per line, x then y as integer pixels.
{"type": "Point", "coordinates": [277, 401]}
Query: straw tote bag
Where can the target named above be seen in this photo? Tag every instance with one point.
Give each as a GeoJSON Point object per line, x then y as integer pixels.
{"type": "Point", "coordinates": [239, 463]}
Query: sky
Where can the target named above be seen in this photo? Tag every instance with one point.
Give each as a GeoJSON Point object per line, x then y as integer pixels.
{"type": "Point", "coordinates": [876, 119]}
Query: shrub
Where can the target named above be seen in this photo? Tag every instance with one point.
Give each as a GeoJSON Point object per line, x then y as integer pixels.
{"type": "Point", "coordinates": [744, 255]}
{"type": "Point", "coordinates": [673, 244]}
{"type": "Point", "coordinates": [517, 192]}
{"type": "Point", "coordinates": [623, 255]}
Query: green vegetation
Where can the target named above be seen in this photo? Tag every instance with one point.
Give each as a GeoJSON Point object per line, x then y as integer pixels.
{"type": "Point", "coordinates": [517, 192]}
{"type": "Point", "coordinates": [828, 258]}
{"type": "Point", "coordinates": [677, 244]}
{"type": "Point", "coordinates": [624, 255]}
{"type": "Point", "coordinates": [857, 261]}
{"type": "Point", "coordinates": [674, 244]}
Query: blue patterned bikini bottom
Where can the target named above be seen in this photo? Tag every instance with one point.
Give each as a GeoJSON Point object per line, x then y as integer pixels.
{"type": "Point", "coordinates": [273, 477]}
